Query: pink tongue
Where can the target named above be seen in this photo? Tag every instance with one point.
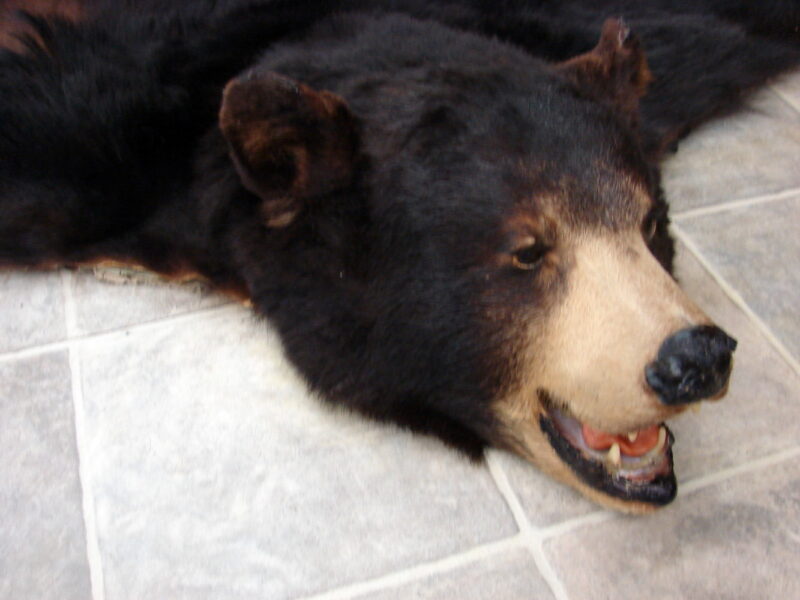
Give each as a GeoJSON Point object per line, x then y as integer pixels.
{"type": "Point", "coordinates": [646, 440]}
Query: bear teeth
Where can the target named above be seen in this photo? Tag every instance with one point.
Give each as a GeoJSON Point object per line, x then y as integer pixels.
{"type": "Point", "coordinates": [662, 439]}
{"type": "Point", "coordinates": [614, 455]}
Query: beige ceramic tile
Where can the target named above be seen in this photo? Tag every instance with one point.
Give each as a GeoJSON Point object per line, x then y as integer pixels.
{"type": "Point", "coordinates": [217, 476]}
{"type": "Point", "coordinates": [31, 309]}
{"type": "Point", "coordinates": [511, 576]}
{"type": "Point", "coordinates": [757, 251]}
{"type": "Point", "coordinates": [102, 305]}
{"type": "Point", "coordinates": [739, 539]}
{"type": "Point", "coordinates": [759, 416]}
{"type": "Point", "coordinates": [751, 153]}
{"type": "Point", "coordinates": [42, 540]}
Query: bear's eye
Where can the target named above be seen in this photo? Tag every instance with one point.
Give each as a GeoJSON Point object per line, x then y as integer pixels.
{"type": "Point", "coordinates": [649, 226]}
{"type": "Point", "coordinates": [527, 257]}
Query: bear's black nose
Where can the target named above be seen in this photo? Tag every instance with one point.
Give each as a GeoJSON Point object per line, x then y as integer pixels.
{"type": "Point", "coordinates": [692, 364]}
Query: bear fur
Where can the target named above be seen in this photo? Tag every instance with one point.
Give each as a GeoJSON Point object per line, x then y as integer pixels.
{"type": "Point", "coordinates": [404, 188]}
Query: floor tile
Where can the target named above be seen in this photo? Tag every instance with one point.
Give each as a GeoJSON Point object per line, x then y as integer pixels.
{"type": "Point", "coordinates": [217, 476]}
{"type": "Point", "coordinates": [751, 153]}
{"type": "Point", "coordinates": [757, 251]}
{"type": "Point", "coordinates": [32, 309]}
{"type": "Point", "coordinates": [544, 500]}
{"type": "Point", "coordinates": [737, 539]}
{"type": "Point", "coordinates": [758, 417]}
{"type": "Point", "coordinates": [103, 305]}
{"type": "Point", "coordinates": [42, 540]}
{"type": "Point", "coordinates": [512, 576]}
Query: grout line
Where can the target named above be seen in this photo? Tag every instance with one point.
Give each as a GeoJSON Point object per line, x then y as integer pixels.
{"type": "Point", "coordinates": [504, 486]}
{"type": "Point", "coordinates": [536, 548]}
{"type": "Point", "coordinates": [423, 570]}
{"type": "Point", "coordinates": [600, 516]}
{"type": "Point", "coordinates": [75, 338]}
{"type": "Point", "coordinates": [687, 487]}
{"type": "Point", "coordinates": [786, 98]}
{"type": "Point", "coordinates": [533, 541]}
{"type": "Point", "coordinates": [733, 204]}
{"type": "Point", "coordinates": [529, 538]}
{"type": "Point", "coordinates": [34, 351]}
{"type": "Point", "coordinates": [705, 481]}
{"type": "Point", "coordinates": [93, 556]}
{"type": "Point", "coordinates": [737, 299]}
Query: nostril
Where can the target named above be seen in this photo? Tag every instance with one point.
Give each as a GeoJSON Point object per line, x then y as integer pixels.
{"type": "Point", "coordinates": [729, 342]}
{"type": "Point", "coordinates": [724, 363]}
{"type": "Point", "coordinates": [692, 364]}
{"type": "Point", "coordinates": [656, 381]}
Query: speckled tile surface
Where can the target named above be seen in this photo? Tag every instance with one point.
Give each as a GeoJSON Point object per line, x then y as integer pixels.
{"type": "Point", "coordinates": [42, 538]}
{"type": "Point", "coordinates": [102, 305]}
{"type": "Point", "coordinates": [738, 539]}
{"type": "Point", "coordinates": [545, 501]}
{"type": "Point", "coordinates": [758, 417]}
{"type": "Point", "coordinates": [155, 444]}
{"type": "Point", "coordinates": [756, 249]}
{"type": "Point", "coordinates": [507, 575]}
{"type": "Point", "coordinates": [255, 484]}
{"type": "Point", "coordinates": [749, 154]}
{"type": "Point", "coordinates": [31, 309]}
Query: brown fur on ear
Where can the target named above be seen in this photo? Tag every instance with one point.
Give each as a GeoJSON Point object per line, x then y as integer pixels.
{"type": "Point", "coordinates": [13, 28]}
{"type": "Point", "coordinates": [289, 143]}
{"type": "Point", "coordinates": [615, 71]}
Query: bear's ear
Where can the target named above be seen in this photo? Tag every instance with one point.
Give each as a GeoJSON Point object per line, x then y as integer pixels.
{"type": "Point", "coordinates": [614, 72]}
{"type": "Point", "coordinates": [290, 144]}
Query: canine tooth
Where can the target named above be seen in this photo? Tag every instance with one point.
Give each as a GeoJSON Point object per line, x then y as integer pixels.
{"type": "Point", "coordinates": [614, 456]}
{"type": "Point", "coordinates": [662, 437]}
{"type": "Point", "coordinates": [633, 435]}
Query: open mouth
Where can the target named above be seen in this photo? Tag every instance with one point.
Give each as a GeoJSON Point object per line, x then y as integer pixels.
{"type": "Point", "coordinates": [636, 467]}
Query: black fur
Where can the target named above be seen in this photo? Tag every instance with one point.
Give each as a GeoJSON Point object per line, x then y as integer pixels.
{"type": "Point", "coordinates": [382, 286]}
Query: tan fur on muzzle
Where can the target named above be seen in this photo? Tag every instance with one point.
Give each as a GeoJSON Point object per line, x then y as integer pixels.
{"type": "Point", "coordinates": [589, 354]}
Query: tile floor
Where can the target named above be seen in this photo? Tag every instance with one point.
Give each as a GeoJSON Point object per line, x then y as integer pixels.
{"type": "Point", "coordinates": [154, 444]}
